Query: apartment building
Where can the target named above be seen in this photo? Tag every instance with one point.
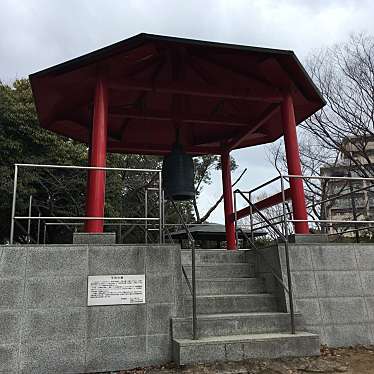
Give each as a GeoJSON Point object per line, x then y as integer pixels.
{"type": "Point", "coordinates": [354, 198]}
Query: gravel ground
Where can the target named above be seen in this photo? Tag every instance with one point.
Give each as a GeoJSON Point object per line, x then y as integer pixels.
{"type": "Point", "coordinates": [353, 360]}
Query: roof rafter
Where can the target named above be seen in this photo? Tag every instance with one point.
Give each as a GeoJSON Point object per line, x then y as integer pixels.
{"type": "Point", "coordinates": [212, 138]}
{"type": "Point", "coordinates": [187, 88]}
{"type": "Point", "coordinates": [251, 129]}
{"type": "Point", "coordinates": [234, 70]}
{"type": "Point", "coordinates": [184, 117]}
{"type": "Point", "coordinates": [139, 148]}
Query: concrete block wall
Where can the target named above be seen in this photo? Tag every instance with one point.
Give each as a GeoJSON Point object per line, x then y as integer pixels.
{"type": "Point", "coordinates": [334, 290]}
{"type": "Point", "coordinates": [266, 264]}
{"type": "Point", "coordinates": [46, 326]}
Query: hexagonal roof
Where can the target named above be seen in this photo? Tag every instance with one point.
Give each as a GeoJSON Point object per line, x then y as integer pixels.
{"type": "Point", "coordinates": [218, 95]}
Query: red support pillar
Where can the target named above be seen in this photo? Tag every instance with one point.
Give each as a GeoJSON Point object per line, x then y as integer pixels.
{"type": "Point", "coordinates": [96, 178]}
{"type": "Point", "coordinates": [293, 164]}
{"type": "Point", "coordinates": [227, 200]}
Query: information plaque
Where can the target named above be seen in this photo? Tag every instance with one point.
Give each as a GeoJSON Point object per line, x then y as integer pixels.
{"type": "Point", "coordinates": [116, 289]}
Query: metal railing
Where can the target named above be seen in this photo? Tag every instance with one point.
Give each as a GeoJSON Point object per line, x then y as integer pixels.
{"type": "Point", "coordinates": [286, 221]}
{"type": "Point", "coordinates": [284, 237]}
{"type": "Point", "coordinates": [166, 231]}
{"type": "Point", "coordinates": [330, 198]}
{"type": "Point", "coordinates": [161, 211]}
{"type": "Point", "coordinates": [311, 206]}
{"type": "Point", "coordinates": [74, 225]}
{"type": "Point", "coordinates": [191, 285]}
{"type": "Point", "coordinates": [249, 200]}
{"type": "Point", "coordinates": [29, 217]}
{"type": "Point", "coordinates": [336, 222]}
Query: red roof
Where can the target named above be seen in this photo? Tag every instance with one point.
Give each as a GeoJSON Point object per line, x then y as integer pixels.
{"type": "Point", "coordinates": [216, 94]}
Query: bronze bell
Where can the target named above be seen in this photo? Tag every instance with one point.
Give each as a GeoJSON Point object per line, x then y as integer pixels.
{"type": "Point", "coordinates": [178, 175]}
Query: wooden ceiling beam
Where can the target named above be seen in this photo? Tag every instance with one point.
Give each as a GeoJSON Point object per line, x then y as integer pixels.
{"type": "Point", "coordinates": [187, 118]}
{"type": "Point", "coordinates": [234, 70]}
{"type": "Point", "coordinates": [249, 93]}
{"type": "Point", "coordinates": [251, 129]}
{"type": "Point", "coordinates": [158, 149]}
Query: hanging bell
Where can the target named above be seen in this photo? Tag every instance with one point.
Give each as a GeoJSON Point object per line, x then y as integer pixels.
{"type": "Point", "coordinates": [178, 175]}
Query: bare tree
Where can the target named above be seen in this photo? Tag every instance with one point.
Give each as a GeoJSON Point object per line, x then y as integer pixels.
{"type": "Point", "coordinates": [345, 126]}
{"type": "Point", "coordinates": [313, 157]}
{"type": "Point", "coordinates": [342, 133]}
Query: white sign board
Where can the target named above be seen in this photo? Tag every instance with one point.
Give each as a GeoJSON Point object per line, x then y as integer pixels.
{"type": "Point", "coordinates": [116, 289]}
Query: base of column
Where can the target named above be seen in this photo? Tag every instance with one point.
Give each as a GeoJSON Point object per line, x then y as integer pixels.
{"type": "Point", "coordinates": [308, 238]}
{"type": "Point", "coordinates": [94, 238]}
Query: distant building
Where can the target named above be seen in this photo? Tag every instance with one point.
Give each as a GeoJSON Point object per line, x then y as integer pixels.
{"type": "Point", "coordinates": [356, 201]}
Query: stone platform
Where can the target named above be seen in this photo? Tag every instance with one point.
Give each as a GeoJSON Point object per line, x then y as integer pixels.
{"type": "Point", "coordinates": [333, 288]}
{"type": "Point", "coordinates": [237, 318]}
{"type": "Point", "coordinates": [46, 326]}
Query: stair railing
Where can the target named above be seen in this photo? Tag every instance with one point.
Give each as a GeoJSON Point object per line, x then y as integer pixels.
{"type": "Point", "coordinates": [284, 238]}
{"type": "Point", "coordinates": [183, 269]}
{"type": "Point", "coordinates": [191, 285]}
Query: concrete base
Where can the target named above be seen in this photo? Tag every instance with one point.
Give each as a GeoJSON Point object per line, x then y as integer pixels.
{"type": "Point", "coordinates": [227, 324]}
{"type": "Point", "coordinates": [94, 238]}
{"type": "Point", "coordinates": [333, 288]}
{"type": "Point", "coordinates": [243, 347]}
{"type": "Point", "coordinates": [309, 238]}
{"type": "Point", "coordinates": [47, 328]}
{"type": "Point", "coordinates": [237, 318]}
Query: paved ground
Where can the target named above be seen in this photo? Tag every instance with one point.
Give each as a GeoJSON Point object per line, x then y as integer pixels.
{"type": "Point", "coordinates": [354, 360]}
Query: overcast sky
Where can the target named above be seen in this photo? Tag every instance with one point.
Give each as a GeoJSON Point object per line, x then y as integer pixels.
{"type": "Point", "coordinates": [35, 34]}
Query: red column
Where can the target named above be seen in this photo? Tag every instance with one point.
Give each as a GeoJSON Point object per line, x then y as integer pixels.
{"type": "Point", "coordinates": [227, 200]}
{"type": "Point", "coordinates": [293, 164]}
{"type": "Point", "coordinates": [96, 178]}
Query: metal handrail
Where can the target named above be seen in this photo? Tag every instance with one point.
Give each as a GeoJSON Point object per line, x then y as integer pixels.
{"type": "Point", "coordinates": [272, 269]}
{"type": "Point", "coordinates": [192, 285]}
{"type": "Point", "coordinates": [263, 185]}
{"type": "Point", "coordinates": [352, 230]}
{"type": "Point", "coordinates": [325, 177]}
{"type": "Point", "coordinates": [187, 280]}
{"type": "Point", "coordinates": [89, 218]}
{"type": "Point", "coordinates": [165, 227]}
{"type": "Point", "coordinates": [49, 166]}
{"type": "Point", "coordinates": [332, 221]}
{"type": "Point", "coordinates": [253, 206]}
{"type": "Point", "coordinates": [270, 224]}
{"type": "Point", "coordinates": [260, 224]}
{"type": "Point", "coordinates": [183, 269]}
{"type": "Point", "coordinates": [14, 218]}
{"type": "Point", "coordinates": [335, 197]}
{"type": "Point", "coordinates": [288, 270]}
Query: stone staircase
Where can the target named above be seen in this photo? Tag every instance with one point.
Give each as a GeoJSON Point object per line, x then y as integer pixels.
{"type": "Point", "coordinates": [237, 319]}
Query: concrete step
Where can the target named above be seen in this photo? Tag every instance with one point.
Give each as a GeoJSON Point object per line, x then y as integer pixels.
{"type": "Point", "coordinates": [206, 256]}
{"type": "Point", "coordinates": [227, 286]}
{"type": "Point", "coordinates": [241, 347]}
{"type": "Point", "coordinates": [234, 270]}
{"type": "Point", "coordinates": [234, 324]}
{"type": "Point", "coordinates": [212, 304]}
